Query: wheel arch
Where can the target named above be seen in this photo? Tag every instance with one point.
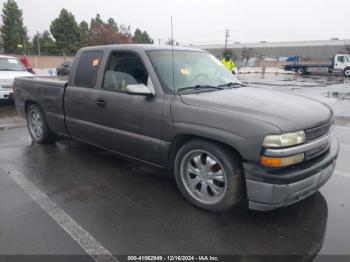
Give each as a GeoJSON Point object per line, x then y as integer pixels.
{"type": "Point", "coordinates": [28, 103]}
{"type": "Point", "coordinates": [180, 139]}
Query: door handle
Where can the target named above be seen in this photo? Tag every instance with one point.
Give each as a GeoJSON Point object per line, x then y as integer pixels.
{"type": "Point", "coordinates": [100, 102]}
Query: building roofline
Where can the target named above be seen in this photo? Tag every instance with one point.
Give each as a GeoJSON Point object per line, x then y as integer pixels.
{"type": "Point", "coordinates": [340, 42]}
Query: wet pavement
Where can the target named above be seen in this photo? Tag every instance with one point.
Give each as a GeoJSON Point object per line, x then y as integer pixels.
{"type": "Point", "coordinates": [131, 209]}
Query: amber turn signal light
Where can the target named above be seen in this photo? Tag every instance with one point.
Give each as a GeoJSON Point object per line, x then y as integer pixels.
{"type": "Point", "coordinates": [281, 161]}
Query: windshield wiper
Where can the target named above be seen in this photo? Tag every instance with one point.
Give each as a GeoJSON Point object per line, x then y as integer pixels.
{"type": "Point", "coordinates": [231, 84]}
{"type": "Point", "coordinates": [200, 87]}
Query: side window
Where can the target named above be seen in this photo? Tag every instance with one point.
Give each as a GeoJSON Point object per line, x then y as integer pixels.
{"type": "Point", "coordinates": [341, 59]}
{"type": "Point", "coordinates": [124, 68]}
{"type": "Point", "coordinates": [87, 69]}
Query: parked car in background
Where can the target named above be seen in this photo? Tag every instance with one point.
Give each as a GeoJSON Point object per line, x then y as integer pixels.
{"type": "Point", "coordinates": [64, 68]}
{"type": "Point", "coordinates": [10, 68]}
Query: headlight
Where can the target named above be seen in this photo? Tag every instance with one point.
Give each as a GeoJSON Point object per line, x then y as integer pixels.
{"type": "Point", "coordinates": [284, 140]}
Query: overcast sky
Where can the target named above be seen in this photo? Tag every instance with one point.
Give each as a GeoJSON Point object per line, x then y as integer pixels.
{"type": "Point", "coordinates": [204, 21]}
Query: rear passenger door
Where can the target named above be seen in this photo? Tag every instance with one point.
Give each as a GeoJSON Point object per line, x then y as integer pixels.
{"type": "Point", "coordinates": [80, 97]}
{"type": "Point", "coordinates": [128, 123]}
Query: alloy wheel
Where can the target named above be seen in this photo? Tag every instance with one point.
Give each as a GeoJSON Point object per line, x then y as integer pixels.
{"type": "Point", "coordinates": [203, 176]}
{"type": "Point", "coordinates": [35, 124]}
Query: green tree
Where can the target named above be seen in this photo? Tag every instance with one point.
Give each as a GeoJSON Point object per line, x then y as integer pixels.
{"type": "Point", "coordinates": [138, 37]}
{"type": "Point", "coordinates": [142, 37]}
{"type": "Point", "coordinates": [13, 32]}
{"type": "Point", "coordinates": [113, 24]}
{"type": "Point", "coordinates": [45, 42]}
{"type": "Point", "coordinates": [97, 20]}
{"type": "Point", "coordinates": [84, 29]}
{"type": "Point", "coordinates": [146, 38]}
{"type": "Point", "coordinates": [67, 33]}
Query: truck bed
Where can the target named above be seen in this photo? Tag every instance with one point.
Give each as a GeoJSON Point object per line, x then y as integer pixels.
{"type": "Point", "coordinates": [48, 92]}
{"type": "Point", "coordinates": [309, 65]}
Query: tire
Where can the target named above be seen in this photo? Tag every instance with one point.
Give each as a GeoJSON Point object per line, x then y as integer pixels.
{"type": "Point", "coordinates": [37, 126]}
{"type": "Point", "coordinates": [215, 187]}
{"type": "Point", "coordinates": [346, 72]}
{"type": "Point", "coordinates": [301, 71]}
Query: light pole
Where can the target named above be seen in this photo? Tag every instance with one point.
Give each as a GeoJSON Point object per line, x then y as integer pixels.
{"type": "Point", "coordinates": [227, 35]}
{"type": "Point", "coordinates": [38, 40]}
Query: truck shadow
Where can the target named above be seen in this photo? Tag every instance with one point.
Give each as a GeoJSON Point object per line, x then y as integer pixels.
{"type": "Point", "coordinates": [132, 211]}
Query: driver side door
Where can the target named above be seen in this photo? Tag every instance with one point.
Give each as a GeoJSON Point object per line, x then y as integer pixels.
{"type": "Point", "coordinates": [339, 62]}
{"type": "Point", "coordinates": [126, 123]}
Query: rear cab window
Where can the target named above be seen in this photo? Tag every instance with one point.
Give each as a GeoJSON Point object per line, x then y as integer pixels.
{"type": "Point", "coordinates": [87, 68]}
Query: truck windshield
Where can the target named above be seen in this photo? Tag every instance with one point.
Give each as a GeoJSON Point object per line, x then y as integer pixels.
{"type": "Point", "coordinates": [10, 64]}
{"type": "Point", "coordinates": [191, 69]}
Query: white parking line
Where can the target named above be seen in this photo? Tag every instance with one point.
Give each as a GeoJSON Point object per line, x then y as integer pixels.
{"type": "Point", "coordinates": [342, 173]}
{"type": "Point", "coordinates": [79, 234]}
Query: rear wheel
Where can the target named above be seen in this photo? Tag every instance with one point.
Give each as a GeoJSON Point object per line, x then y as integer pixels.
{"type": "Point", "coordinates": [301, 71]}
{"type": "Point", "coordinates": [346, 72]}
{"type": "Point", "coordinates": [37, 126]}
{"type": "Point", "coordinates": [209, 175]}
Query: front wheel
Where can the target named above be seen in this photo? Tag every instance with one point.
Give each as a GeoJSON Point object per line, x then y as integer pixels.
{"type": "Point", "coordinates": [346, 72]}
{"type": "Point", "coordinates": [37, 126]}
{"type": "Point", "coordinates": [301, 71]}
{"type": "Point", "coordinates": [209, 175]}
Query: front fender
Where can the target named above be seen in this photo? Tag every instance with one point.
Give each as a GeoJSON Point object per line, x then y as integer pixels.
{"type": "Point", "coordinates": [244, 134]}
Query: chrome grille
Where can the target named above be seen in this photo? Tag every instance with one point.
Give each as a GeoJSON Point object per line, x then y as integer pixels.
{"type": "Point", "coordinates": [316, 151]}
{"type": "Point", "coordinates": [316, 132]}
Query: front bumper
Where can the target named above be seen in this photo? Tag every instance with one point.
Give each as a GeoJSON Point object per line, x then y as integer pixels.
{"type": "Point", "coordinates": [6, 94]}
{"type": "Point", "coordinates": [268, 195]}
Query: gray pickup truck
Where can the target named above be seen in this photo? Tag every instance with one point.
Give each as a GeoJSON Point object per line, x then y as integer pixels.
{"type": "Point", "coordinates": [181, 110]}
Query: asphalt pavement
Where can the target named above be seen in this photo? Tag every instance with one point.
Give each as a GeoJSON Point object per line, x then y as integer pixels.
{"type": "Point", "coordinates": [73, 199]}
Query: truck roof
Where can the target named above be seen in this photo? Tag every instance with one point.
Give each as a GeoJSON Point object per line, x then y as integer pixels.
{"type": "Point", "coordinates": [144, 47]}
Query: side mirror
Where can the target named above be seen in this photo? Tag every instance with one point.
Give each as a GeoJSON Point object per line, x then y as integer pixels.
{"type": "Point", "coordinates": [139, 89]}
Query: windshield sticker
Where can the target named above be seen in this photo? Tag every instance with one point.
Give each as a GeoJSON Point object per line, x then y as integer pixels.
{"type": "Point", "coordinates": [185, 71]}
{"type": "Point", "coordinates": [95, 62]}
{"type": "Point", "coordinates": [12, 61]}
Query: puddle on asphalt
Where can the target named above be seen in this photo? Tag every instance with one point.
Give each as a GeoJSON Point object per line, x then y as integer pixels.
{"type": "Point", "coordinates": [282, 80]}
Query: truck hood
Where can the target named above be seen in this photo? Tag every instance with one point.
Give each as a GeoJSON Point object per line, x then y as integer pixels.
{"type": "Point", "coordinates": [286, 111]}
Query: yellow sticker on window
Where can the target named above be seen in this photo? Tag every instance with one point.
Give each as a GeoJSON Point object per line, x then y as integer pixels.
{"type": "Point", "coordinates": [185, 71]}
{"type": "Point", "coordinates": [95, 62]}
